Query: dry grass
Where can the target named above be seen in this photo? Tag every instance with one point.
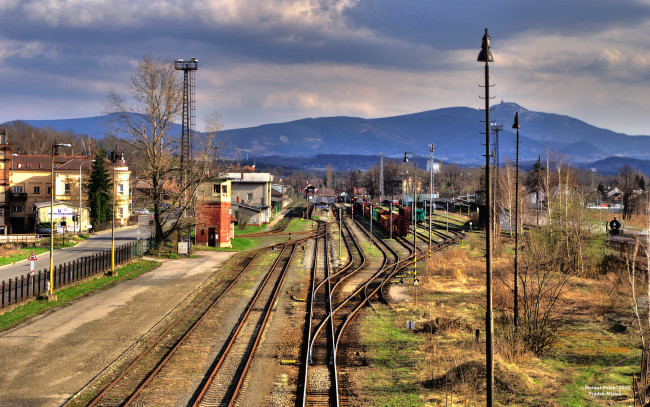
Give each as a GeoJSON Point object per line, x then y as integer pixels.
{"type": "Point", "coordinates": [452, 306]}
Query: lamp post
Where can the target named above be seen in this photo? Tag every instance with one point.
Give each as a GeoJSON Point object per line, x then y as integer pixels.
{"type": "Point", "coordinates": [113, 223]}
{"type": "Point", "coordinates": [370, 225]}
{"type": "Point", "coordinates": [50, 294]}
{"type": "Point", "coordinates": [516, 294]}
{"type": "Point", "coordinates": [431, 149]}
{"type": "Point", "coordinates": [486, 56]}
{"type": "Point", "coordinates": [415, 224]}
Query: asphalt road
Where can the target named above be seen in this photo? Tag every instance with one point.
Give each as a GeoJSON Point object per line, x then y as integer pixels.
{"type": "Point", "coordinates": [96, 243]}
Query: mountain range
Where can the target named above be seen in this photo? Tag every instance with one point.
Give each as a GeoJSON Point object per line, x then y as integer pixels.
{"type": "Point", "coordinates": [455, 131]}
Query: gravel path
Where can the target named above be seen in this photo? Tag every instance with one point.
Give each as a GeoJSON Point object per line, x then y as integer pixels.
{"type": "Point", "coordinates": [47, 359]}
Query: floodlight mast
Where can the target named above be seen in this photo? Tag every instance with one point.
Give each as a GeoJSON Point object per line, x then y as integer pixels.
{"type": "Point", "coordinates": [188, 125]}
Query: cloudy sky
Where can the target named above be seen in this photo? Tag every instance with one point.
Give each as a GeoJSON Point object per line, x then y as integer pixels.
{"type": "Point", "coordinates": [264, 61]}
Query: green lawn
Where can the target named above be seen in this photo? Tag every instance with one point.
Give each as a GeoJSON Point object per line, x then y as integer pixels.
{"type": "Point", "coordinates": [22, 254]}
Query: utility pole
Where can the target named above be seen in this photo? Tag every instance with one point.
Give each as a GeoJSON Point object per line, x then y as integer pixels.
{"type": "Point", "coordinates": [496, 127]}
{"type": "Point", "coordinates": [516, 294]}
{"type": "Point", "coordinates": [486, 56]}
{"type": "Point", "coordinates": [381, 178]}
{"type": "Point", "coordinates": [431, 194]}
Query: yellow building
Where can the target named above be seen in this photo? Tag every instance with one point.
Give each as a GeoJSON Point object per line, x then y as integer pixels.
{"type": "Point", "coordinates": [31, 184]}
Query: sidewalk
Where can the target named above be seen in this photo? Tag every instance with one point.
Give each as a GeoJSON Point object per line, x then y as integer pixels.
{"type": "Point", "coordinates": [50, 357]}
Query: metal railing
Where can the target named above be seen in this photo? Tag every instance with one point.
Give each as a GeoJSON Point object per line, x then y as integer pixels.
{"type": "Point", "coordinates": [33, 285]}
{"type": "Point", "coordinates": [27, 238]}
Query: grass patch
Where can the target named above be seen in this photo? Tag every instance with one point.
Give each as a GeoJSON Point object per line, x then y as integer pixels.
{"type": "Point", "coordinates": [299, 225]}
{"type": "Point", "coordinates": [249, 229]}
{"type": "Point", "coordinates": [392, 354]}
{"type": "Point", "coordinates": [69, 294]}
{"type": "Point", "coordinates": [238, 244]}
{"type": "Point", "coordinates": [10, 256]}
{"type": "Point", "coordinates": [371, 252]}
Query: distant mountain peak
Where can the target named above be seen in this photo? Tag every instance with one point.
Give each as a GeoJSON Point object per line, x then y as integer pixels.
{"type": "Point", "coordinates": [509, 107]}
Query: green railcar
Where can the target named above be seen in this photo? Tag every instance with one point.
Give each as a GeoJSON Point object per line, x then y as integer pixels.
{"type": "Point", "coordinates": [419, 215]}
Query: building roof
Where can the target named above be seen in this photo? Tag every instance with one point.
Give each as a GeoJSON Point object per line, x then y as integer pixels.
{"type": "Point", "coordinates": [61, 162]}
{"type": "Point", "coordinates": [45, 204]}
{"type": "Point", "coordinates": [252, 177]}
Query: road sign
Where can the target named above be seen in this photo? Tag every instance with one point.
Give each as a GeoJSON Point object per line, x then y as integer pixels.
{"type": "Point", "coordinates": [32, 257]}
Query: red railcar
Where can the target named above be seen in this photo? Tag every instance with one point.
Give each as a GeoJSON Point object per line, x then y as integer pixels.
{"type": "Point", "coordinates": [400, 223]}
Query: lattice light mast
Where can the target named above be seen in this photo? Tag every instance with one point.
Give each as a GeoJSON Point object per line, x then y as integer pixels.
{"type": "Point", "coordinates": [188, 128]}
{"type": "Point", "coordinates": [188, 113]}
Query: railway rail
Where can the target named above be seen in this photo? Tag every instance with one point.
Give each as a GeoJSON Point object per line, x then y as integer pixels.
{"type": "Point", "coordinates": [319, 375]}
{"type": "Point", "coordinates": [131, 383]}
{"type": "Point", "coordinates": [226, 377]}
{"type": "Point", "coordinates": [124, 388]}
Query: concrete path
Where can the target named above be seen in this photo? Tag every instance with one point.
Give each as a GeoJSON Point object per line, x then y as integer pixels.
{"type": "Point", "coordinates": [46, 360]}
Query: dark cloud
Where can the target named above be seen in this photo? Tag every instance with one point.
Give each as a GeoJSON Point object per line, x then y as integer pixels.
{"type": "Point", "coordinates": [77, 55]}
{"type": "Point", "coordinates": [458, 24]}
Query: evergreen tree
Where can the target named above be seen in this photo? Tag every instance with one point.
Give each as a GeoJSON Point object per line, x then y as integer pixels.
{"type": "Point", "coordinates": [100, 191]}
{"type": "Point", "coordinates": [640, 181]}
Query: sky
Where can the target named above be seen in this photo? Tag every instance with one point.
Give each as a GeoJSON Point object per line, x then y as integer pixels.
{"type": "Point", "coordinates": [269, 61]}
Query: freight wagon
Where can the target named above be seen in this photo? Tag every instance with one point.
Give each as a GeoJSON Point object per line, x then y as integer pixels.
{"type": "Point", "coordinates": [400, 222]}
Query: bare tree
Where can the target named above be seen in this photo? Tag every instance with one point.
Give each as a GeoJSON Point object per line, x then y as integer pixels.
{"type": "Point", "coordinates": [145, 120]}
{"type": "Point", "coordinates": [627, 182]}
{"type": "Point", "coordinates": [542, 283]}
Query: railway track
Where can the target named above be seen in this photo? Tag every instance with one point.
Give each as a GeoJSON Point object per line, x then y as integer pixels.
{"type": "Point", "coordinates": [281, 226]}
{"type": "Point", "coordinates": [320, 381]}
{"type": "Point", "coordinates": [124, 388]}
{"type": "Point", "coordinates": [226, 377]}
{"type": "Point", "coordinates": [189, 331]}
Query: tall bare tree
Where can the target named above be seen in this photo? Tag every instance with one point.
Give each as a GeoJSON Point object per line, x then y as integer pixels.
{"type": "Point", "coordinates": [627, 182]}
{"type": "Point", "coordinates": [145, 120]}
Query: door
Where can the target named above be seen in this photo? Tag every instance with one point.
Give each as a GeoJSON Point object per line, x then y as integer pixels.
{"type": "Point", "coordinates": [212, 241]}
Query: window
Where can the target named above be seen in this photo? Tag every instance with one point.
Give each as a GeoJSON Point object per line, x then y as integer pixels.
{"type": "Point", "coordinates": [17, 189]}
{"type": "Point", "coordinates": [215, 189]}
{"type": "Point", "coordinates": [37, 190]}
{"type": "Point", "coordinates": [49, 190]}
{"type": "Point", "coordinates": [16, 208]}
{"type": "Point", "coordinates": [249, 197]}
{"type": "Point", "coordinates": [28, 165]}
{"type": "Point", "coordinates": [120, 188]}
{"type": "Point", "coordinates": [67, 188]}
{"type": "Point", "coordinates": [120, 212]}
{"type": "Point", "coordinates": [224, 189]}
{"type": "Point", "coordinates": [41, 165]}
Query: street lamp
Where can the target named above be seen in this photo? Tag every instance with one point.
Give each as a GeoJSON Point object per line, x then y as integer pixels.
{"type": "Point", "coordinates": [50, 294]}
{"type": "Point", "coordinates": [485, 55]}
{"type": "Point", "coordinates": [415, 224]}
{"type": "Point", "coordinates": [431, 149]}
{"type": "Point", "coordinates": [113, 222]}
{"type": "Point", "coordinates": [516, 304]}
